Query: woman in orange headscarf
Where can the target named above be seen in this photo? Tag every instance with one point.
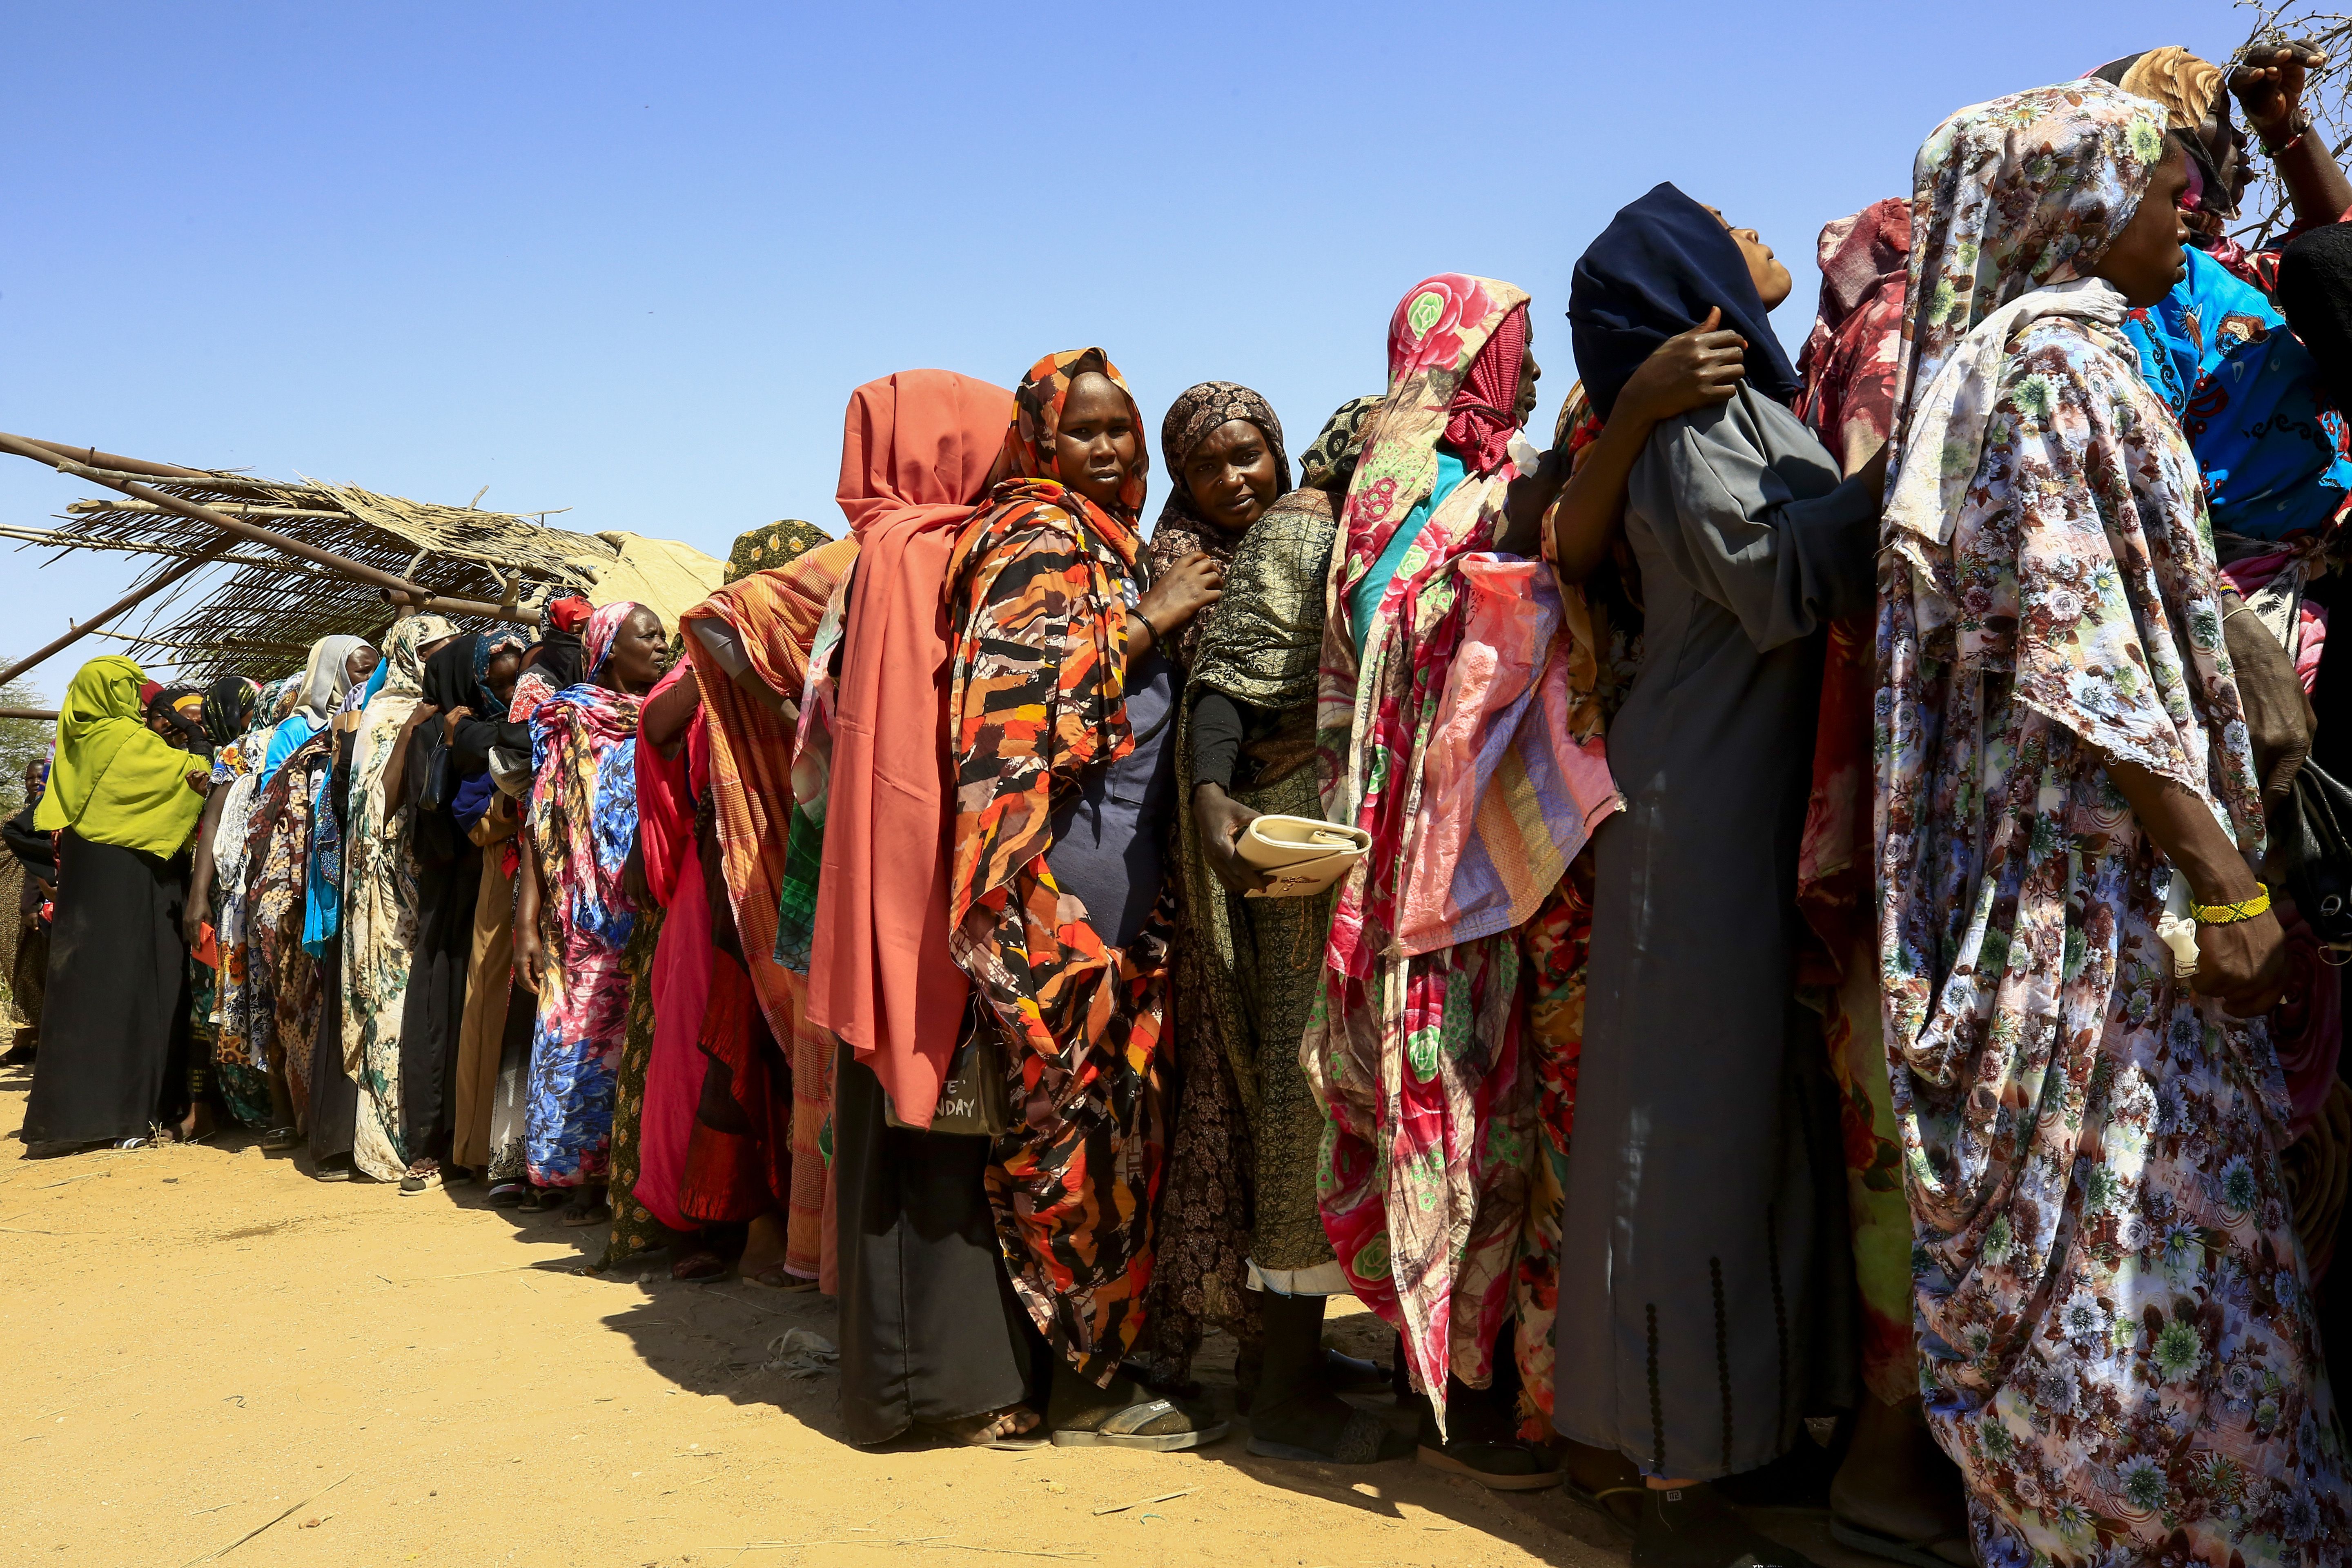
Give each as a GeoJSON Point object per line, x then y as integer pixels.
{"type": "Point", "coordinates": [1058, 904]}
{"type": "Point", "coordinates": [916, 1256]}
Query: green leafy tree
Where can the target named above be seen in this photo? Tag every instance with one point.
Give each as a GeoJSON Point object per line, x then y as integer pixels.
{"type": "Point", "coordinates": [21, 741]}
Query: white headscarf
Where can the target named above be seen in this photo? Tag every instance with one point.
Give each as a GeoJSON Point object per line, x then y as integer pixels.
{"type": "Point", "coordinates": [326, 680]}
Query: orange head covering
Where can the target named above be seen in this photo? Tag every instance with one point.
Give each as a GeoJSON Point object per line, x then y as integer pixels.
{"type": "Point", "coordinates": [1037, 418]}
{"type": "Point", "coordinates": [916, 454]}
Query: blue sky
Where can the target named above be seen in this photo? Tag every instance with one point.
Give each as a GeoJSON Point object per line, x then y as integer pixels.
{"type": "Point", "coordinates": [632, 259]}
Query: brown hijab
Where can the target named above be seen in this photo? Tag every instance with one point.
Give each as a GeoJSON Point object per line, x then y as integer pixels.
{"type": "Point", "coordinates": [1182, 529]}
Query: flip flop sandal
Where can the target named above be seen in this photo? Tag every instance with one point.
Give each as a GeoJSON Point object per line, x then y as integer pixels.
{"type": "Point", "coordinates": [1118, 1430]}
{"type": "Point", "coordinates": [1598, 1501]}
{"type": "Point", "coordinates": [542, 1199]}
{"type": "Point", "coordinates": [778, 1279]}
{"type": "Point", "coordinates": [278, 1139]}
{"type": "Point", "coordinates": [331, 1173]}
{"type": "Point", "coordinates": [696, 1268]}
{"type": "Point", "coordinates": [1917, 1554]}
{"type": "Point", "coordinates": [581, 1219]}
{"type": "Point", "coordinates": [138, 1143]}
{"type": "Point", "coordinates": [1493, 1481]}
{"type": "Point", "coordinates": [508, 1194]}
{"type": "Point", "coordinates": [1360, 1441]}
{"type": "Point", "coordinates": [416, 1182]}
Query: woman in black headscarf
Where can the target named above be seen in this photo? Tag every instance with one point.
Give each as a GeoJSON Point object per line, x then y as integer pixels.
{"type": "Point", "coordinates": [1703, 1109]}
{"type": "Point", "coordinates": [448, 882]}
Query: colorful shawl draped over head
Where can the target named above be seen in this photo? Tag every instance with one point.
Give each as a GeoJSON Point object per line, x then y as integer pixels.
{"type": "Point", "coordinates": [597, 636]}
{"type": "Point", "coordinates": [775, 614]}
{"type": "Point", "coordinates": [1652, 274]}
{"type": "Point", "coordinates": [1041, 584]}
{"type": "Point", "coordinates": [115, 781]}
{"type": "Point", "coordinates": [1329, 461]}
{"type": "Point", "coordinates": [1850, 359]}
{"type": "Point", "coordinates": [1182, 529]}
{"type": "Point", "coordinates": [487, 647]}
{"type": "Point", "coordinates": [916, 450]}
{"type": "Point", "coordinates": [379, 905]}
{"type": "Point", "coordinates": [1003, 817]}
{"type": "Point", "coordinates": [2102, 1239]}
{"type": "Point", "coordinates": [1415, 1047]}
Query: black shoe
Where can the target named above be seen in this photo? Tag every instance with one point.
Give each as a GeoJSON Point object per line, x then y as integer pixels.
{"type": "Point", "coordinates": [1693, 1527]}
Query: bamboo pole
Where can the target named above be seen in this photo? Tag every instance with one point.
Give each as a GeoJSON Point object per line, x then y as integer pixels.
{"type": "Point", "coordinates": [319, 513]}
{"type": "Point", "coordinates": [115, 475]}
{"type": "Point", "coordinates": [147, 591]}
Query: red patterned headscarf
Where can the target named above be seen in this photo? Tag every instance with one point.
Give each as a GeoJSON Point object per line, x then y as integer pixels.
{"type": "Point", "coordinates": [596, 638]}
{"type": "Point", "coordinates": [1484, 412]}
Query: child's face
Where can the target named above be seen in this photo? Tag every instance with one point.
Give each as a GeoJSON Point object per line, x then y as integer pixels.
{"type": "Point", "coordinates": [502, 672]}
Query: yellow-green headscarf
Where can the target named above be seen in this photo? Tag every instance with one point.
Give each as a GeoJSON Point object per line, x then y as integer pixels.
{"type": "Point", "coordinates": [116, 781]}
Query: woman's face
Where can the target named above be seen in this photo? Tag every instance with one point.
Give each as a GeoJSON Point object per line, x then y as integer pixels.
{"type": "Point", "coordinates": [639, 651]}
{"type": "Point", "coordinates": [1530, 372]}
{"type": "Point", "coordinates": [506, 665]}
{"type": "Point", "coordinates": [158, 718]}
{"type": "Point", "coordinates": [1764, 269]}
{"type": "Point", "coordinates": [2225, 148]}
{"type": "Point", "coordinates": [1232, 475]}
{"type": "Point", "coordinates": [2146, 259]}
{"type": "Point", "coordinates": [359, 663]}
{"type": "Point", "coordinates": [1097, 446]}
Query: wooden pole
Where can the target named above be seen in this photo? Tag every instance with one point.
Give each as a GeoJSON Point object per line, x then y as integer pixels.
{"type": "Point", "coordinates": [48, 713]}
{"type": "Point", "coordinates": [150, 589]}
{"type": "Point", "coordinates": [108, 469]}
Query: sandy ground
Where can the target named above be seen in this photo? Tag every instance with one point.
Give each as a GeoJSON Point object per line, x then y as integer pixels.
{"type": "Point", "coordinates": [205, 1342]}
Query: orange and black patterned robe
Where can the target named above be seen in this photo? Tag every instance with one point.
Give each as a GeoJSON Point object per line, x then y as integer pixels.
{"type": "Point", "coordinates": [1039, 588]}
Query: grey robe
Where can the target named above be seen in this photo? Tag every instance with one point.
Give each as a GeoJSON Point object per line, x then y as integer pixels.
{"type": "Point", "coordinates": [1687, 1281]}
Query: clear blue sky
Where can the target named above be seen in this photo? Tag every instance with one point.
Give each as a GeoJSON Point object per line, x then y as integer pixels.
{"type": "Point", "coordinates": [631, 259]}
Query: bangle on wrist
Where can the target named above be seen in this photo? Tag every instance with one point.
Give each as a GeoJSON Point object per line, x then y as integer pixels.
{"type": "Point", "coordinates": [2231, 913]}
{"type": "Point", "coordinates": [2296, 127]}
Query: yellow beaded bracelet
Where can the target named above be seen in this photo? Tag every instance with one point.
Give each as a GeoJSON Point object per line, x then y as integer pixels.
{"type": "Point", "coordinates": [2229, 914]}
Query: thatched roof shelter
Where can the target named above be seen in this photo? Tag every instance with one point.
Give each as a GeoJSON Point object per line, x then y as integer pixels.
{"type": "Point", "coordinates": [253, 609]}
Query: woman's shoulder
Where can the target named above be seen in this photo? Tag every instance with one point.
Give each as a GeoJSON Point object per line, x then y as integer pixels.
{"type": "Point", "coordinates": [2068, 359]}
{"type": "Point", "coordinates": [1026, 521]}
{"type": "Point", "coordinates": [1749, 430]}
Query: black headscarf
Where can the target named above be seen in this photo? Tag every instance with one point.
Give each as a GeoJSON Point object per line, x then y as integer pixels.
{"type": "Point", "coordinates": [2314, 290]}
{"type": "Point", "coordinates": [1656, 271]}
{"type": "Point", "coordinates": [228, 708]}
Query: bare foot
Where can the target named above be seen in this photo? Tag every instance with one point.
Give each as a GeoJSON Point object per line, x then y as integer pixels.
{"type": "Point", "coordinates": [1014, 1426]}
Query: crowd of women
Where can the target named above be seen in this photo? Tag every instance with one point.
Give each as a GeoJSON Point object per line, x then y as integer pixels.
{"type": "Point", "coordinates": [1839, 862]}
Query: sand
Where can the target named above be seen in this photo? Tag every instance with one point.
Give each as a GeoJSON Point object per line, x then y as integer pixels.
{"type": "Point", "coordinates": [203, 1342]}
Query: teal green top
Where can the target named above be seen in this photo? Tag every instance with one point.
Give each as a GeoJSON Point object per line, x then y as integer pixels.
{"type": "Point", "coordinates": [1367, 596]}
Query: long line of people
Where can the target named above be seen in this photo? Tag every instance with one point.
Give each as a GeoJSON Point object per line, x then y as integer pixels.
{"type": "Point", "coordinates": [1840, 880]}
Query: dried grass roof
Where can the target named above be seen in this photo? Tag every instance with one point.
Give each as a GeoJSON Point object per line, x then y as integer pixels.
{"type": "Point", "coordinates": [259, 608]}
